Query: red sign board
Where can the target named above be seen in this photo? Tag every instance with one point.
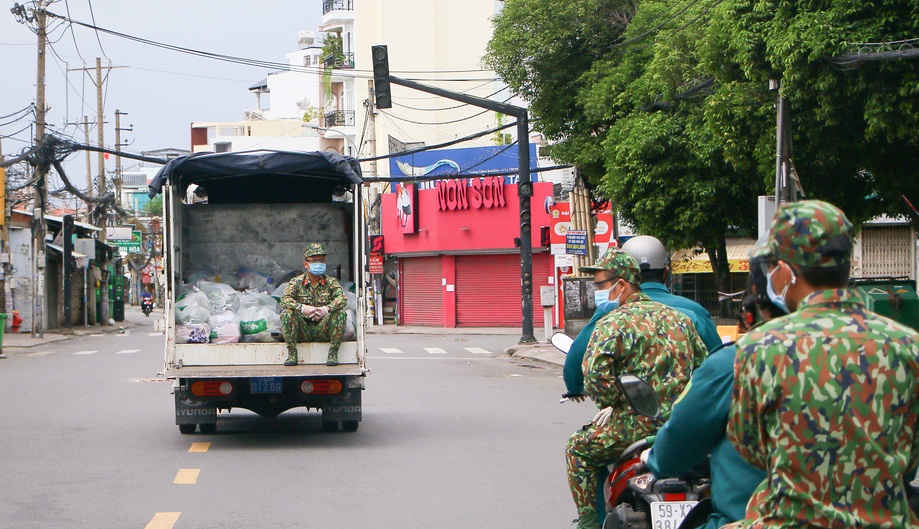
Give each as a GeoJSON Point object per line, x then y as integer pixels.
{"type": "Point", "coordinates": [376, 263]}
{"type": "Point", "coordinates": [376, 244]}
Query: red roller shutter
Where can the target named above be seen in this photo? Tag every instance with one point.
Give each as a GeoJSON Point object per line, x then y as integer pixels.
{"type": "Point", "coordinates": [488, 290]}
{"type": "Point", "coordinates": [422, 298]}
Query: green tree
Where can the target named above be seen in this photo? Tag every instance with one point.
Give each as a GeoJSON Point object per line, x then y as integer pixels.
{"type": "Point", "coordinates": [154, 208]}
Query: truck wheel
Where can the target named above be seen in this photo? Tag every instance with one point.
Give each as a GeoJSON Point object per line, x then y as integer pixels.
{"type": "Point", "coordinates": [208, 428]}
{"type": "Point", "coordinates": [329, 426]}
{"type": "Point", "coordinates": [187, 428]}
{"type": "Point", "coordinates": [350, 426]}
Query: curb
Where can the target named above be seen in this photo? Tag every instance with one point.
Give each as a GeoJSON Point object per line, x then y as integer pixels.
{"type": "Point", "coordinates": [538, 352]}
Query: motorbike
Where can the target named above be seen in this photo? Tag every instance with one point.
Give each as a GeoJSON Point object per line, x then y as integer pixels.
{"type": "Point", "coordinates": [146, 305]}
{"type": "Point", "coordinates": [634, 498]}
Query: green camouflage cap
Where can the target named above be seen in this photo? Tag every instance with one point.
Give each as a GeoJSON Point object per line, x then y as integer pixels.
{"type": "Point", "coordinates": [762, 250]}
{"type": "Point", "coordinates": [314, 249]}
{"type": "Point", "coordinates": [620, 263]}
{"type": "Point", "coordinates": [811, 233]}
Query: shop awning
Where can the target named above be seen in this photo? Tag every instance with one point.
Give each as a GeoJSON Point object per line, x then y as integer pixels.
{"type": "Point", "coordinates": [690, 262]}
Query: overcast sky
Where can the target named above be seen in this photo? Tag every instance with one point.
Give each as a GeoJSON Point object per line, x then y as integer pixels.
{"type": "Point", "coordinates": [162, 91]}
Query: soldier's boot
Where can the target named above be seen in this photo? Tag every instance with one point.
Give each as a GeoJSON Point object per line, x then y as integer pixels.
{"type": "Point", "coordinates": [333, 357]}
{"type": "Point", "coordinates": [588, 521]}
{"type": "Point", "coordinates": [291, 357]}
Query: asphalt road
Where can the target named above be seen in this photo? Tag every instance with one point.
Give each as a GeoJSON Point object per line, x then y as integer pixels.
{"type": "Point", "coordinates": [454, 435]}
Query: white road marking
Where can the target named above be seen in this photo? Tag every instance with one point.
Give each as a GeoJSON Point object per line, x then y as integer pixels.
{"type": "Point", "coordinates": [392, 350]}
{"type": "Point", "coordinates": [85, 352]}
{"type": "Point", "coordinates": [155, 334]}
{"type": "Point", "coordinates": [127, 351]}
{"type": "Point", "coordinates": [477, 350]}
{"type": "Point", "coordinates": [435, 350]}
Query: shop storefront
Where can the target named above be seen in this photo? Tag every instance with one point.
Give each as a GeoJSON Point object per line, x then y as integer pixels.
{"type": "Point", "coordinates": [458, 264]}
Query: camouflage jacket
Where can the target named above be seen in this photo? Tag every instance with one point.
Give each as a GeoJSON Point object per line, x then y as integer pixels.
{"type": "Point", "coordinates": [327, 292]}
{"type": "Point", "coordinates": [826, 401]}
{"type": "Point", "coordinates": [646, 339]}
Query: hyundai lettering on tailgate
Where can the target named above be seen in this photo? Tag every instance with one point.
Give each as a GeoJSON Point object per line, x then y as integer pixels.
{"type": "Point", "coordinates": [263, 385]}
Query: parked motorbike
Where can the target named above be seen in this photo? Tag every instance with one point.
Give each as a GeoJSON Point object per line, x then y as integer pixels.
{"type": "Point", "coordinates": [146, 305]}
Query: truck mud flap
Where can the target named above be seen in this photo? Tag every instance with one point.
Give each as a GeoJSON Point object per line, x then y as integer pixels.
{"type": "Point", "coordinates": [190, 411]}
{"type": "Point", "coordinates": [344, 407]}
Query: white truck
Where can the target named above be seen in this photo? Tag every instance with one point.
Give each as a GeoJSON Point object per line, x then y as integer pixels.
{"type": "Point", "coordinates": [255, 212]}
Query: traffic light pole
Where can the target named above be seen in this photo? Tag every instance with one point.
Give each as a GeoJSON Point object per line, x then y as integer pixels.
{"type": "Point", "coordinates": [524, 188]}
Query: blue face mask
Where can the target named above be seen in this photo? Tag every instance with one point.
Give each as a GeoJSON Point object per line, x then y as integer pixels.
{"type": "Point", "coordinates": [778, 299]}
{"type": "Point", "coordinates": [601, 298]}
{"type": "Point", "coordinates": [317, 269]}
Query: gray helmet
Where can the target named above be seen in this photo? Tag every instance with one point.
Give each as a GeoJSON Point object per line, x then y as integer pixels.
{"type": "Point", "coordinates": [648, 251]}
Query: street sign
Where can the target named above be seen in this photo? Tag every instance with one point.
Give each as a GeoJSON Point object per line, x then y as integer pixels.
{"type": "Point", "coordinates": [576, 242]}
{"type": "Point", "coordinates": [376, 263]}
{"type": "Point", "coordinates": [131, 246]}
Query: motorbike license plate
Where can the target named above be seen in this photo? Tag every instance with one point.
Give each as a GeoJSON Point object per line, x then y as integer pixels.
{"type": "Point", "coordinates": [669, 514]}
{"type": "Point", "coordinates": [264, 385]}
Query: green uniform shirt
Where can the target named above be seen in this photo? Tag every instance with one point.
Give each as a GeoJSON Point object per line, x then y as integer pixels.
{"type": "Point", "coordinates": [826, 401]}
{"type": "Point", "coordinates": [326, 293]}
{"type": "Point", "coordinates": [696, 428]}
{"type": "Point", "coordinates": [645, 339]}
{"type": "Point", "coordinates": [701, 319]}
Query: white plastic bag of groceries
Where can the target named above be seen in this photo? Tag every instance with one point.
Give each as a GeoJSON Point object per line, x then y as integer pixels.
{"type": "Point", "coordinates": [249, 299]}
{"type": "Point", "coordinates": [222, 297]}
{"type": "Point", "coordinates": [256, 324]}
{"type": "Point", "coordinates": [192, 314]}
{"type": "Point", "coordinates": [194, 333]}
{"type": "Point", "coordinates": [226, 333]}
{"type": "Point", "coordinates": [194, 297]}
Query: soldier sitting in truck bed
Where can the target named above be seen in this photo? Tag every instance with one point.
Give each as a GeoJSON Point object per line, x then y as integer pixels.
{"type": "Point", "coordinates": [313, 308]}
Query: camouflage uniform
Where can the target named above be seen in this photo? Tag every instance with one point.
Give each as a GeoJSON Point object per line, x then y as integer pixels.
{"type": "Point", "coordinates": [643, 338]}
{"type": "Point", "coordinates": [826, 399]}
{"type": "Point", "coordinates": [327, 292]}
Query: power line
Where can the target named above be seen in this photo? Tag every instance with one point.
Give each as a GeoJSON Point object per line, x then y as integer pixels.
{"type": "Point", "coordinates": [440, 145]}
{"type": "Point", "coordinates": [354, 73]}
{"type": "Point", "coordinates": [92, 15]}
{"type": "Point", "coordinates": [22, 110]}
{"type": "Point", "coordinates": [72, 33]}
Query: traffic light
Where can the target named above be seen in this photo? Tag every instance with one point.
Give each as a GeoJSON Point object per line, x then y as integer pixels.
{"type": "Point", "coordinates": [381, 76]}
{"type": "Point", "coordinates": [545, 236]}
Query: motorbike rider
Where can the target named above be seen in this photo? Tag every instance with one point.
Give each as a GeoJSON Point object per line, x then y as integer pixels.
{"type": "Point", "coordinates": [146, 299]}
{"type": "Point", "coordinates": [654, 262]}
{"type": "Point", "coordinates": [696, 427]}
{"type": "Point", "coordinates": [639, 337]}
{"type": "Point", "coordinates": [825, 399]}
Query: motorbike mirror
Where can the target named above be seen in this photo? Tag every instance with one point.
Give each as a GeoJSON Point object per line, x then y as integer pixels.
{"type": "Point", "coordinates": [641, 395]}
{"type": "Point", "coordinates": [562, 342]}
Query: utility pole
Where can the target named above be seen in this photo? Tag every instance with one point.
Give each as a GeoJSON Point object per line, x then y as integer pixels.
{"type": "Point", "coordinates": [784, 187]}
{"type": "Point", "coordinates": [38, 16]}
{"type": "Point", "coordinates": [118, 146]}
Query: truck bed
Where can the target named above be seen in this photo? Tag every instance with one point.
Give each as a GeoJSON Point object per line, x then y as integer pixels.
{"type": "Point", "coordinates": [237, 371]}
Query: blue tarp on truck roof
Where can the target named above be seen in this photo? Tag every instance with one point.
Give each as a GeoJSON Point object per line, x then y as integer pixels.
{"type": "Point", "coordinates": [261, 176]}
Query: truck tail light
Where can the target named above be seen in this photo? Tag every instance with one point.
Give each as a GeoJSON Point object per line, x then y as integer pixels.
{"type": "Point", "coordinates": [211, 388]}
{"type": "Point", "coordinates": [320, 387]}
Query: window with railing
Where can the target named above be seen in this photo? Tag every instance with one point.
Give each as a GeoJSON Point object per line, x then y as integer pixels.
{"type": "Point", "coordinates": [340, 118]}
{"type": "Point", "coordinates": [337, 5]}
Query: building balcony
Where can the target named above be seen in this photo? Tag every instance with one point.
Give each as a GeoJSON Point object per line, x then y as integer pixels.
{"type": "Point", "coordinates": [339, 118]}
{"type": "Point", "coordinates": [339, 63]}
{"type": "Point", "coordinates": [337, 5]}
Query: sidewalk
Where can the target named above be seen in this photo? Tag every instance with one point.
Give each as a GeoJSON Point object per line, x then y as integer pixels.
{"type": "Point", "coordinates": [540, 351]}
{"type": "Point", "coordinates": [133, 317]}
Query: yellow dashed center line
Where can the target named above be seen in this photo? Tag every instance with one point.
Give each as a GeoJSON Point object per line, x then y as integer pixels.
{"type": "Point", "coordinates": [163, 520]}
{"type": "Point", "coordinates": [199, 447]}
{"type": "Point", "coordinates": [187, 476]}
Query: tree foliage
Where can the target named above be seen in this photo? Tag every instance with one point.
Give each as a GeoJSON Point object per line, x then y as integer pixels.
{"type": "Point", "coordinates": [668, 112]}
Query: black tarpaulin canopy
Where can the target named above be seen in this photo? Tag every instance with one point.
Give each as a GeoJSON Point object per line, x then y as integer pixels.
{"type": "Point", "coordinates": [263, 176]}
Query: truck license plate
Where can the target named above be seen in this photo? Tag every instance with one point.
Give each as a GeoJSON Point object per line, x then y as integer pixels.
{"type": "Point", "coordinates": [265, 385]}
{"type": "Point", "coordinates": [669, 514]}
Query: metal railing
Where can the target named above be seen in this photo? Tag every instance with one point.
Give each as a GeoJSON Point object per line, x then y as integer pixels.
{"type": "Point", "coordinates": [337, 5]}
{"type": "Point", "coordinates": [339, 118]}
{"type": "Point", "coordinates": [346, 62]}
